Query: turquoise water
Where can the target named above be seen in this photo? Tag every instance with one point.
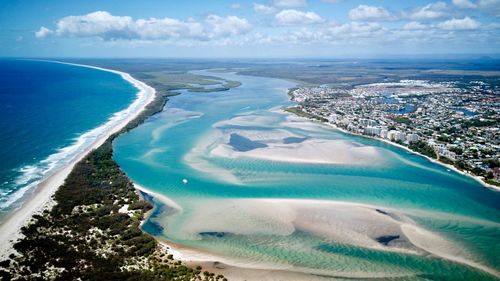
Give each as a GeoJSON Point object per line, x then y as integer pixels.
{"type": "Point", "coordinates": [374, 211]}
{"type": "Point", "coordinates": [45, 108]}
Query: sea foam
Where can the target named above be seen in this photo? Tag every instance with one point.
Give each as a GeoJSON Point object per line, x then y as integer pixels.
{"type": "Point", "coordinates": [31, 175]}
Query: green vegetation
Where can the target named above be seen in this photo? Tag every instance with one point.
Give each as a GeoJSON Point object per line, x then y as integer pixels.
{"type": "Point", "coordinates": [488, 176]}
{"type": "Point", "coordinates": [492, 163]}
{"type": "Point", "coordinates": [443, 138]}
{"type": "Point", "coordinates": [476, 122]}
{"type": "Point", "coordinates": [313, 72]}
{"type": "Point", "coordinates": [224, 87]}
{"type": "Point", "coordinates": [299, 112]}
{"type": "Point", "coordinates": [208, 90]}
{"type": "Point", "coordinates": [90, 233]}
{"type": "Point", "coordinates": [424, 148]}
{"type": "Point", "coordinates": [177, 80]}
{"type": "Point", "coordinates": [492, 182]}
{"type": "Point", "coordinates": [446, 160]}
{"type": "Point", "coordinates": [402, 120]}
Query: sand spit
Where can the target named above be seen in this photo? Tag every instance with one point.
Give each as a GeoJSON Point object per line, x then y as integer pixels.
{"type": "Point", "coordinates": [41, 198]}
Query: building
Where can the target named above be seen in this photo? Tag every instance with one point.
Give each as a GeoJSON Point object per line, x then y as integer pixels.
{"type": "Point", "coordinates": [372, 131]}
{"type": "Point", "coordinates": [396, 135]}
{"type": "Point", "coordinates": [412, 137]}
{"type": "Point", "coordinates": [383, 133]}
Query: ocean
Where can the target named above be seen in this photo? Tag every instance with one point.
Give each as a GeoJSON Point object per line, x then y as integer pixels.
{"type": "Point", "coordinates": [49, 112]}
{"type": "Point", "coordinates": [229, 163]}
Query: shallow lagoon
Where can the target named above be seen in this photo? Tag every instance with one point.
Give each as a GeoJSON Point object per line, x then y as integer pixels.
{"type": "Point", "coordinates": [321, 218]}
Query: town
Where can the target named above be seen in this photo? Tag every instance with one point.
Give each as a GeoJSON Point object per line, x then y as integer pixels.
{"type": "Point", "coordinates": [453, 122]}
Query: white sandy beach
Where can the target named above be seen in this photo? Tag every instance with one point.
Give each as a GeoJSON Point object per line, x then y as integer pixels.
{"type": "Point", "coordinates": [41, 198]}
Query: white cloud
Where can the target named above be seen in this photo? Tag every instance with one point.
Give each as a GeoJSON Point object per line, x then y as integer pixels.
{"type": "Point", "coordinates": [459, 24]}
{"type": "Point", "coordinates": [300, 36]}
{"type": "Point", "coordinates": [155, 29]}
{"type": "Point", "coordinates": [290, 3]}
{"type": "Point", "coordinates": [43, 32]}
{"type": "Point", "coordinates": [306, 27]}
{"type": "Point", "coordinates": [414, 25]}
{"type": "Point", "coordinates": [464, 4]}
{"type": "Point", "coordinates": [431, 11]}
{"type": "Point", "coordinates": [369, 34]}
{"type": "Point", "coordinates": [369, 13]}
{"type": "Point", "coordinates": [289, 17]}
{"type": "Point", "coordinates": [355, 29]}
{"type": "Point", "coordinates": [348, 33]}
{"type": "Point", "coordinates": [100, 22]}
{"type": "Point", "coordinates": [263, 9]}
{"type": "Point", "coordinates": [103, 25]}
{"type": "Point", "coordinates": [230, 25]}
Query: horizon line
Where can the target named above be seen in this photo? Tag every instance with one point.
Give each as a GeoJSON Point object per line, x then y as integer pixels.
{"type": "Point", "coordinates": [494, 56]}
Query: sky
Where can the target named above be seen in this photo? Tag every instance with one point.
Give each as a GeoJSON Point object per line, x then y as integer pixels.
{"type": "Point", "coordinates": [248, 29]}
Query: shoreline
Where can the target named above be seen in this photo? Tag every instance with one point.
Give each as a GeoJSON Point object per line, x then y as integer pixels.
{"type": "Point", "coordinates": [232, 270]}
{"type": "Point", "coordinates": [41, 197]}
{"type": "Point", "coordinates": [435, 161]}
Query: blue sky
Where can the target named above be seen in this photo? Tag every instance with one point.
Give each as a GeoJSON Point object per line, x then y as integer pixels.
{"type": "Point", "coordinates": [261, 28]}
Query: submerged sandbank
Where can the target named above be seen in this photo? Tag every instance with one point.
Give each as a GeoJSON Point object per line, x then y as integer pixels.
{"type": "Point", "coordinates": [314, 151]}
{"type": "Point", "coordinates": [355, 224]}
{"type": "Point", "coordinates": [260, 137]}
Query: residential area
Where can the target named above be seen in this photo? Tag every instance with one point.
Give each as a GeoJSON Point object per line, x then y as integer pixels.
{"type": "Point", "coordinates": [455, 123]}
